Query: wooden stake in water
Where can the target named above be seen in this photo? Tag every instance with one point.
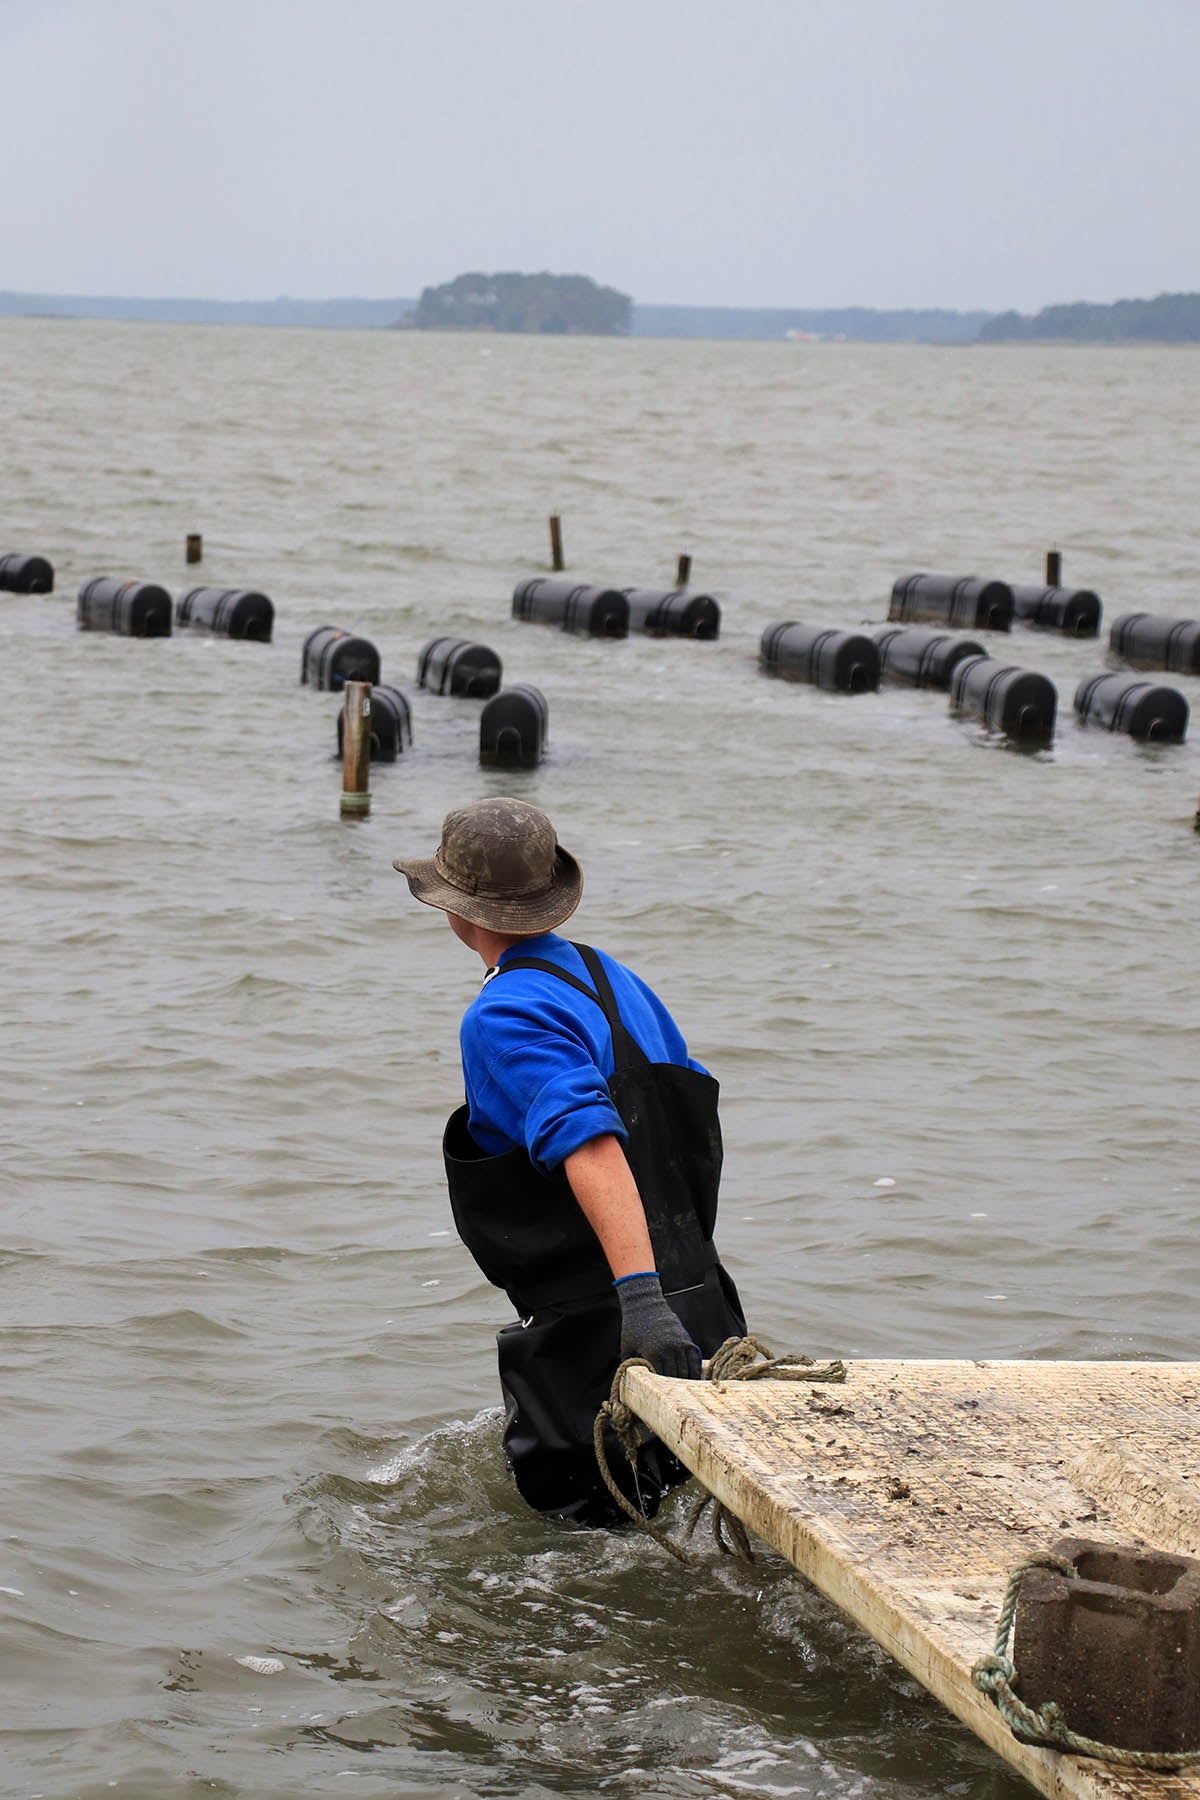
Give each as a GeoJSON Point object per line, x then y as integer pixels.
{"type": "Point", "coordinates": [195, 547]}
{"type": "Point", "coordinates": [1054, 568]}
{"type": "Point", "coordinates": [683, 570]}
{"type": "Point", "coordinates": [356, 749]}
{"type": "Point", "coordinates": [556, 554]}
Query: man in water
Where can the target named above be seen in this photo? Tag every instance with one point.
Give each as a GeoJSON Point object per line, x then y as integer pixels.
{"type": "Point", "coordinates": [583, 1168]}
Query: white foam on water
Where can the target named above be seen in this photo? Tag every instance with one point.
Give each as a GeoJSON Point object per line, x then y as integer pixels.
{"type": "Point", "coordinates": [429, 1448]}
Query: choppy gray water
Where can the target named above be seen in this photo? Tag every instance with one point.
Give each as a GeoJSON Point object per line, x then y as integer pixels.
{"type": "Point", "coordinates": [256, 1535]}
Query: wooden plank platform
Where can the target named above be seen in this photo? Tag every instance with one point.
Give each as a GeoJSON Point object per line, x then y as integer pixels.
{"type": "Point", "coordinates": [908, 1493]}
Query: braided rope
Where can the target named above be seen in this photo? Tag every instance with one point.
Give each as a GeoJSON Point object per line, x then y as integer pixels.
{"type": "Point", "coordinates": [995, 1676]}
{"type": "Point", "coordinates": [738, 1359]}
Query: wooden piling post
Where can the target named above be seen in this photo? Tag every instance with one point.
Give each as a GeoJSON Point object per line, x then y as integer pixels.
{"type": "Point", "coordinates": [683, 570]}
{"type": "Point", "coordinates": [556, 550]}
{"type": "Point", "coordinates": [356, 749]}
{"type": "Point", "coordinates": [195, 547]}
{"type": "Point", "coordinates": [1054, 568]}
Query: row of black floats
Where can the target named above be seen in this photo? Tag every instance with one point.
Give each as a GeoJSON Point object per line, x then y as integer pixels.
{"type": "Point", "coordinates": [514, 721]}
{"type": "Point", "coordinates": [615, 612]}
{"type": "Point", "coordinates": [143, 609]}
{"type": "Point", "coordinates": [1018, 702]}
{"type": "Point", "coordinates": [1146, 639]}
{"type": "Point", "coordinates": [981, 603]}
{"type": "Point", "coordinates": [1022, 703]}
{"type": "Point", "coordinates": [854, 662]}
{"type": "Point", "coordinates": [25, 574]}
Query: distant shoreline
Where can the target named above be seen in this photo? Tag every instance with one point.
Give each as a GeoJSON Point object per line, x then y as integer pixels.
{"type": "Point", "coordinates": [749, 324]}
{"type": "Point", "coordinates": [1170, 319]}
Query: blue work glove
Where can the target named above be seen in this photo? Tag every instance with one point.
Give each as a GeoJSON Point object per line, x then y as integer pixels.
{"type": "Point", "coordinates": [649, 1328]}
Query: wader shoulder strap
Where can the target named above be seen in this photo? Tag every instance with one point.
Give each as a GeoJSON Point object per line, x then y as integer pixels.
{"type": "Point", "coordinates": [626, 1051]}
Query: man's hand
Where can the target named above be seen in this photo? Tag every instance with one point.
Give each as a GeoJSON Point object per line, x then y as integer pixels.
{"type": "Point", "coordinates": [649, 1328]}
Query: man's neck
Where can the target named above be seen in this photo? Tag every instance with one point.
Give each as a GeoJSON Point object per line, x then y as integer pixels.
{"type": "Point", "coordinates": [489, 945]}
{"type": "Point", "coordinates": [492, 945]}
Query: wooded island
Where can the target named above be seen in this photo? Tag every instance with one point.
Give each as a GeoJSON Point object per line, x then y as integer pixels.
{"type": "Point", "coordinates": [567, 305]}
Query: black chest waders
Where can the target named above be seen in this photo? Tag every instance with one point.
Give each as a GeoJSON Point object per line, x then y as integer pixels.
{"type": "Point", "coordinates": [529, 1236]}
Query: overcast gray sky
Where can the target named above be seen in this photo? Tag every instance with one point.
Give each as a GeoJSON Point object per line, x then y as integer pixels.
{"type": "Point", "coordinates": [965, 153]}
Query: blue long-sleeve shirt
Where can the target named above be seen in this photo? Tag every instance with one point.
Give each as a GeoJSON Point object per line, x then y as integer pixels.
{"type": "Point", "coordinates": [537, 1054]}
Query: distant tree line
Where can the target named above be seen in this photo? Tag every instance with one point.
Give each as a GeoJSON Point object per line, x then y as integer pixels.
{"type": "Point", "coordinates": [854, 324]}
{"type": "Point", "coordinates": [566, 305]}
{"type": "Point", "coordinates": [1170, 319]}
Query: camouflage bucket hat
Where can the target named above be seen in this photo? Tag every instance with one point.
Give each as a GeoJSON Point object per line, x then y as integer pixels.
{"type": "Point", "coordinates": [500, 865]}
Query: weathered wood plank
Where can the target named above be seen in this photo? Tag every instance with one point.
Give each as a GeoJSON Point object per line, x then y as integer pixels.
{"type": "Point", "coordinates": [908, 1495]}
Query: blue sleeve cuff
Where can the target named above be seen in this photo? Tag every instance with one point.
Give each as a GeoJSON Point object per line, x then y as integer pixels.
{"type": "Point", "coordinates": [554, 1134]}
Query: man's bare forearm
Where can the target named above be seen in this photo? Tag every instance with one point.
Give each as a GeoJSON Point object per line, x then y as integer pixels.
{"type": "Point", "coordinates": [602, 1182]}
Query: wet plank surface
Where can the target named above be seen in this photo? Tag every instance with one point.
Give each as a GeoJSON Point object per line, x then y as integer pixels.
{"type": "Point", "coordinates": [908, 1493]}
